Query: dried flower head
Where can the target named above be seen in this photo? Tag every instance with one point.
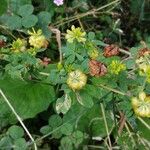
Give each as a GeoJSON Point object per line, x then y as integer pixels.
{"type": "Point", "coordinates": [144, 52]}
{"type": "Point", "coordinates": [111, 50]}
{"type": "Point", "coordinates": [97, 68]}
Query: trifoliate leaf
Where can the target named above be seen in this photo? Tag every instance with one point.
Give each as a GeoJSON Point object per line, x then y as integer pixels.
{"type": "Point", "coordinates": [25, 10]}
{"type": "Point", "coordinates": [29, 21]}
{"type": "Point", "coordinates": [15, 132]}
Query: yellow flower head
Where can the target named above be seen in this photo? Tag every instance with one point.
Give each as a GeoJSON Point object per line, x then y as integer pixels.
{"type": "Point", "coordinates": [76, 80]}
{"type": "Point", "coordinates": [75, 34]}
{"type": "Point", "coordinates": [141, 105]}
{"type": "Point", "coordinates": [144, 68]}
{"type": "Point", "coordinates": [19, 45]}
{"type": "Point", "coordinates": [37, 39]}
{"type": "Point", "coordinates": [116, 67]}
{"type": "Point", "coordinates": [93, 53]}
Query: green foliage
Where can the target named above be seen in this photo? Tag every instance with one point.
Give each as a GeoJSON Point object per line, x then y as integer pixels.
{"type": "Point", "coordinates": [13, 139]}
{"type": "Point", "coordinates": [26, 96]}
{"type": "Point", "coordinates": [25, 10]}
{"type": "Point", "coordinates": [74, 74]}
{"type": "Point", "coordinates": [3, 7]}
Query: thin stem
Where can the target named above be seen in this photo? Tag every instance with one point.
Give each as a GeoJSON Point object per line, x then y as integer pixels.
{"type": "Point", "coordinates": [44, 73]}
{"type": "Point", "coordinates": [130, 134]}
{"type": "Point", "coordinates": [106, 126]}
{"type": "Point", "coordinates": [144, 123]}
{"type": "Point", "coordinates": [113, 90]}
{"type": "Point", "coordinates": [48, 134]}
{"type": "Point", "coordinates": [18, 117]}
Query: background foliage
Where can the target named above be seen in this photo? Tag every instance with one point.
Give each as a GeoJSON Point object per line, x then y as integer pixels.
{"type": "Point", "coordinates": [100, 115]}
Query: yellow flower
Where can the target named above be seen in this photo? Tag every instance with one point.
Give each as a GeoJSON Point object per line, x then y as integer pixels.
{"type": "Point", "coordinates": [93, 53]}
{"type": "Point", "coordinates": [37, 39]}
{"type": "Point", "coordinates": [75, 33]}
{"type": "Point", "coordinates": [141, 105]}
{"type": "Point", "coordinates": [19, 45]}
{"type": "Point", "coordinates": [76, 80]}
{"type": "Point", "coordinates": [116, 67]}
{"type": "Point", "coordinates": [144, 68]}
{"type": "Point", "coordinates": [32, 50]}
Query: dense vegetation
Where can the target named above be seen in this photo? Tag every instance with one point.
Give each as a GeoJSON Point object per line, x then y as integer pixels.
{"type": "Point", "coordinates": [74, 74]}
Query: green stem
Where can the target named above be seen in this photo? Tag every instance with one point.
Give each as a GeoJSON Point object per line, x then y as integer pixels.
{"type": "Point", "coordinates": [106, 126]}
{"type": "Point", "coordinates": [113, 90]}
{"type": "Point", "coordinates": [144, 123]}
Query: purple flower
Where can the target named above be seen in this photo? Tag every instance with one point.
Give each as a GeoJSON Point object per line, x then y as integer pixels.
{"type": "Point", "coordinates": [58, 2]}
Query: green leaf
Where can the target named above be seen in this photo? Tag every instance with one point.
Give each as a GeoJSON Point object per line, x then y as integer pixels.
{"type": "Point", "coordinates": [13, 22]}
{"type": "Point", "coordinates": [3, 6]}
{"type": "Point", "coordinates": [44, 18]}
{"type": "Point", "coordinates": [94, 120]}
{"type": "Point", "coordinates": [29, 21]}
{"type": "Point", "coordinates": [16, 132]}
{"type": "Point", "coordinates": [70, 59]}
{"type": "Point", "coordinates": [91, 35]}
{"type": "Point", "coordinates": [85, 99]}
{"type": "Point", "coordinates": [27, 98]}
{"type": "Point", "coordinates": [57, 134]}
{"type": "Point", "coordinates": [45, 129]}
{"type": "Point", "coordinates": [14, 5]}
{"type": "Point", "coordinates": [55, 121]}
{"type": "Point", "coordinates": [20, 144]}
{"type": "Point", "coordinates": [6, 116]}
{"type": "Point", "coordinates": [143, 130]}
{"type": "Point", "coordinates": [77, 137]}
{"type": "Point", "coordinates": [93, 91]}
{"type": "Point", "coordinates": [63, 104]}
{"type": "Point", "coordinates": [80, 57]}
{"type": "Point", "coordinates": [66, 129]}
{"type": "Point", "coordinates": [5, 142]}
{"type": "Point", "coordinates": [66, 143]}
{"type": "Point", "coordinates": [25, 10]}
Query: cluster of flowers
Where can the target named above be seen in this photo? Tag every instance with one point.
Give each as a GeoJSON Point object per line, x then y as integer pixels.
{"type": "Point", "coordinates": [77, 79]}
{"type": "Point", "coordinates": [36, 40]}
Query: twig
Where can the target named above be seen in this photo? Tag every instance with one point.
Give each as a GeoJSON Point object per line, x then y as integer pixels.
{"type": "Point", "coordinates": [122, 122]}
{"type": "Point", "coordinates": [18, 117]}
{"type": "Point", "coordinates": [91, 12]}
{"type": "Point", "coordinates": [58, 38]}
